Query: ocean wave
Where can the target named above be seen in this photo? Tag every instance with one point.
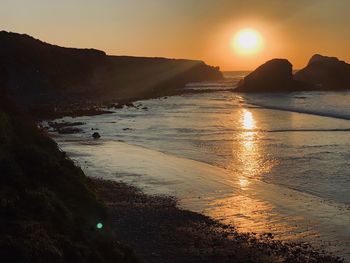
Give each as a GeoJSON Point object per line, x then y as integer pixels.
{"type": "Point", "coordinates": [322, 113]}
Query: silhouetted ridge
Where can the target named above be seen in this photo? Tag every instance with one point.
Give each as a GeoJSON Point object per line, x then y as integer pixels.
{"type": "Point", "coordinates": [19, 40]}
{"type": "Point", "coordinates": [319, 58]}
{"type": "Point", "coordinates": [37, 73]}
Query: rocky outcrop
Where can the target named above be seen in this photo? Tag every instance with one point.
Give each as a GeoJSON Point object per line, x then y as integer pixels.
{"type": "Point", "coordinates": [326, 73]}
{"type": "Point", "coordinates": [96, 135]}
{"type": "Point", "coordinates": [275, 75]}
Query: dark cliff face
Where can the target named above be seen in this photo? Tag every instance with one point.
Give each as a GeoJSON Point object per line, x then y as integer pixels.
{"type": "Point", "coordinates": [273, 76]}
{"type": "Point", "coordinates": [36, 72]}
{"type": "Point", "coordinates": [326, 73]}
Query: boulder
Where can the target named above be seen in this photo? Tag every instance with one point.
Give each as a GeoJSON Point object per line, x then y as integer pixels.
{"type": "Point", "coordinates": [96, 135]}
{"type": "Point", "coordinates": [326, 73]}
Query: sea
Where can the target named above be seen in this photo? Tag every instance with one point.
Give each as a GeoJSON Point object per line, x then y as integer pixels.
{"type": "Point", "coordinates": [266, 163]}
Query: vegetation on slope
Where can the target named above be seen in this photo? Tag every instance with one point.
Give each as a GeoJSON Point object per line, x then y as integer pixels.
{"type": "Point", "coordinates": [48, 208]}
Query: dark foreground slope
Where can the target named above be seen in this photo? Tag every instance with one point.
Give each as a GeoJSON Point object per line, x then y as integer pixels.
{"type": "Point", "coordinates": [48, 208]}
{"type": "Point", "coordinates": [39, 74]}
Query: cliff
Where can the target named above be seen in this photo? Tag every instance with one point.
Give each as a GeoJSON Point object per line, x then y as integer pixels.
{"type": "Point", "coordinates": [37, 73]}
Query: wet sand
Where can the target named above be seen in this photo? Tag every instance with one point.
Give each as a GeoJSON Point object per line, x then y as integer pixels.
{"type": "Point", "coordinates": [252, 206]}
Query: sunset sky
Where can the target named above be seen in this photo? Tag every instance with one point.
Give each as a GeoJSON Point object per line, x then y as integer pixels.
{"type": "Point", "coordinates": [194, 29]}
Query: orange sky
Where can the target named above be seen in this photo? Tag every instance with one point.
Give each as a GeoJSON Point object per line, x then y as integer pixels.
{"type": "Point", "coordinates": [195, 29]}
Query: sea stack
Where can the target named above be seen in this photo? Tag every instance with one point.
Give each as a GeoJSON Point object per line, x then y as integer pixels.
{"type": "Point", "coordinates": [274, 75]}
{"type": "Point", "coordinates": [326, 73]}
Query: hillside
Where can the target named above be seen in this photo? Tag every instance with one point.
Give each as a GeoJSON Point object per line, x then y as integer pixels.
{"type": "Point", "coordinates": [38, 74]}
{"type": "Point", "coordinates": [48, 208]}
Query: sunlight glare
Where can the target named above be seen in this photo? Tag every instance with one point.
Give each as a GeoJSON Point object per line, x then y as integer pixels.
{"type": "Point", "coordinates": [248, 120]}
{"type": "Point", "coordinates": [247, 41]}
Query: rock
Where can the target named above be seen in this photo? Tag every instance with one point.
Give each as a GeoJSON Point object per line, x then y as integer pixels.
{"type": "Point", "coordinates": [129, 104]}
{"type": "Point", "coordinates": [144, 108]}
{"type": "Point", "coordinates": [326, 73]}
{"type": "Point", "coordinates": [275, 75]}
{"type": "Point", "coordinates": [96, 135]}
{"type": "Point", "coordinates": [118, 106]}
{"type": "Point", "coordinates": [111, 105]}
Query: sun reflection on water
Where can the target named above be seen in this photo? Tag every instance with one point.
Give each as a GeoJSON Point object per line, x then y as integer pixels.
{"type": "Point", "coordinates": [248, 150]}
{"type": "Point", "coordinates": [249, 160]}
{"type": "Point", "coordinates": [248, 121]}
{"type": "Point", "coordinates": [249, 164]}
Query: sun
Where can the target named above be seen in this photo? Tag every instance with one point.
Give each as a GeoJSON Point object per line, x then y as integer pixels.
{"type": "Point", "coordinates": [247, 41]}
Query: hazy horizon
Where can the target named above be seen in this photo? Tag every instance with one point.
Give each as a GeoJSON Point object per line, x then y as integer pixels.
{"type": "Point", "coordinates": [188, 29]}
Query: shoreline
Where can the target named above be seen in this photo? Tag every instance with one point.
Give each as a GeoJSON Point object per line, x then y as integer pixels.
{"type": "Point", "coordinates": [272, 231]}
{"type": "Point", "coordinates": [104, 106]}
{"type": "Point", "coordinates": [159, 231]}
{"type": "Point", "coordinates": [249, 210]}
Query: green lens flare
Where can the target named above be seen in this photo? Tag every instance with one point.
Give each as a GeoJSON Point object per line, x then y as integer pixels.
{"type": "Point", "coordinates": [99, 225]}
